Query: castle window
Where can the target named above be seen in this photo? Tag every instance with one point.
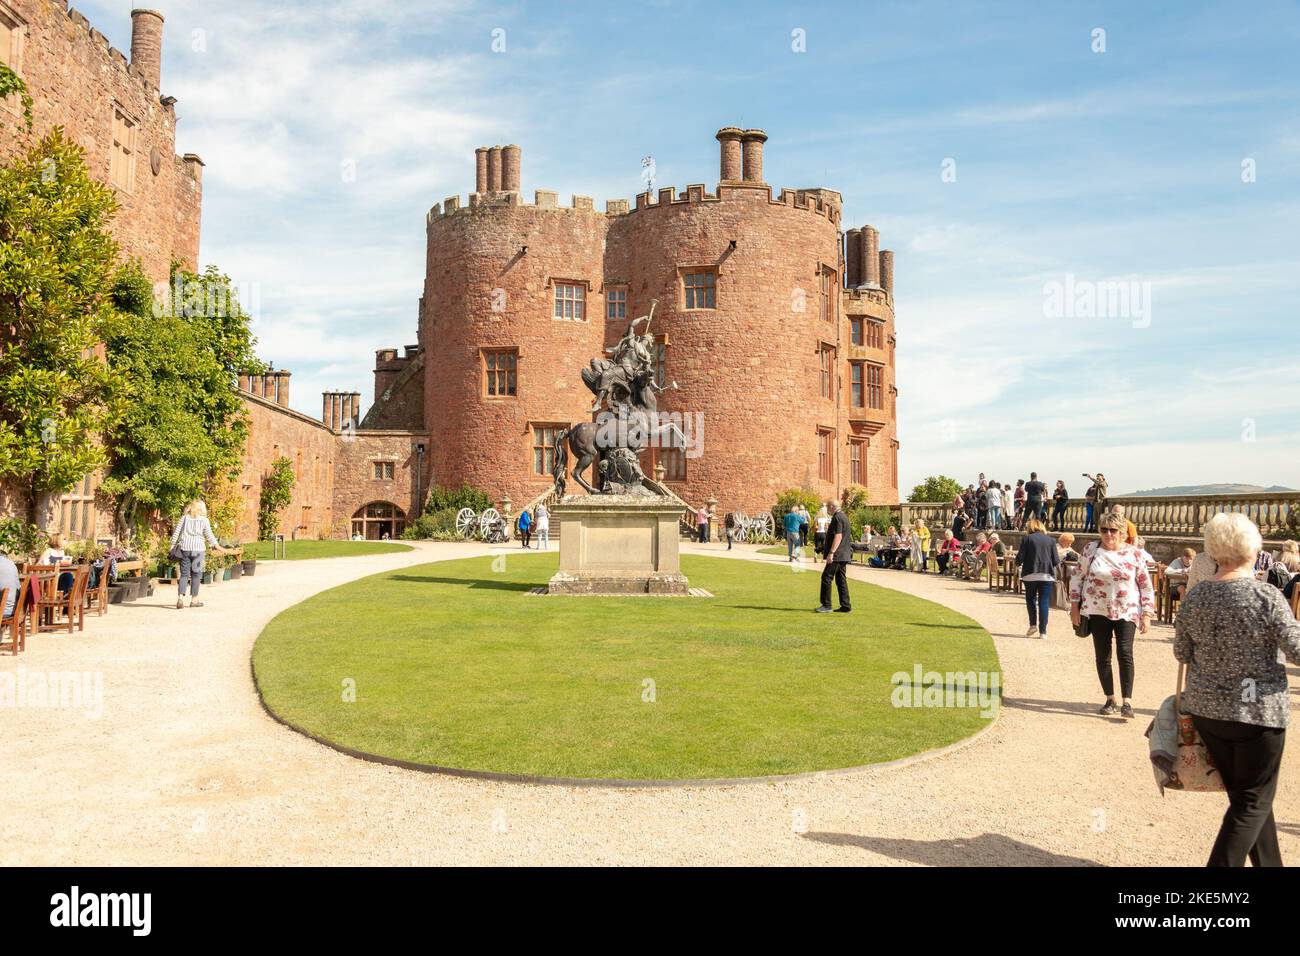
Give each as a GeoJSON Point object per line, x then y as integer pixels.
{"type": "Point", "coordinates": [12, 29]}
{"type": "Point", "coordinates": [616, 303]}
{"type": "Point", "coordinates": [544, 448]}
{"type": "Point", "coordinates": [856, 475]}
{"type": "Point", "coordinates": [570, 301]}
{"type": "Point", "coordinates": [825, 454]}
{"type": "Point", "coordinates": [875, 386]}
{"type": "Point", "coordinates": [121, 159]}
{"type": "Point", "coordinates": [857, 379]}
{"type": "Point", "coordinates": [673, 460]}
{"type": "Point", "coordinates": [383, 470]}
{"type": "Point", "coordinates": [855, 330]}
{"type": "Point", "coordinates": [893, 461]}
{"type": "Point", "coordinates": [875, 334]}
{"type": "Point", "coordinates": [77, 511]}
{"type": "Point", "coordinates": [500, 372]}
{"type": "Point", "coordinates": [700, 289]}
{"type": "Point", "coordinates": [826, 280]}
{"type": "Point", "coordinates": [827, 357]}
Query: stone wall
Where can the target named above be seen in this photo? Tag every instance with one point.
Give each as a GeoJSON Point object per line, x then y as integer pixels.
{"type": "Point", "coordinates": [356, 483]}
{"type": "Point", "coordinates": [277, 430]}
{"type": "Point", "coordinates": [76, 80]}
{"type": "Point", "coordinates": [751, 364]}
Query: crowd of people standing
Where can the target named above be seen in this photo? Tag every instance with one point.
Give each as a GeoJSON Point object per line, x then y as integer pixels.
{"type": "Point", "coordinates": [990, 505]}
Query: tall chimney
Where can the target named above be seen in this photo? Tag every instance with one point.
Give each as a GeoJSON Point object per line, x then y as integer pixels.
{"type": "Point", "coordinates": [853, 257]}
{"type": "Point", "coordinates": [510, 168]}
{"type": "Point", "coordinates": [146, 44]}
{"type": "Point", "coordinates": [887, 271]}
{"type": "Point", "coordinates": [494, 169]}
{"type": "Point", "coordinates": [870, 276]}
{"type": "Point", "coordinates": [729, 168]}
{"type": "Point", "coordinates": [282, 387]}
{"type": "Point", "coordinates": [752, 141]}
{"type": "Point", "coordinates": [481, 169]}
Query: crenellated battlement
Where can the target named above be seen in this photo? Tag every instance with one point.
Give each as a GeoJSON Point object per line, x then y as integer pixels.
{"type": "Point", "coordinates": [497, 170]}
{"type": "Point", "coordinates": [144, 65]}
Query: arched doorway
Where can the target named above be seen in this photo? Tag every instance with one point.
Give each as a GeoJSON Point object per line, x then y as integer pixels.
{"type": "Point", "coordinates": [378, 520]}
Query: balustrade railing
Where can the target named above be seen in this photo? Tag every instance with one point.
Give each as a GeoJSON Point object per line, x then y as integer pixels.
{"type": "Point", "coordinates": [1178, 515]}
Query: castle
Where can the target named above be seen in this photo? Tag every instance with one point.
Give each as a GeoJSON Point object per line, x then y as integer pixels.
{"type": "Point", "coordinates": [774, 329]}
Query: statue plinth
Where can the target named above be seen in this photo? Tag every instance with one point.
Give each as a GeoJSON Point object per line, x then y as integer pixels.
{"type": "Point", "coordinates": [618, 544]}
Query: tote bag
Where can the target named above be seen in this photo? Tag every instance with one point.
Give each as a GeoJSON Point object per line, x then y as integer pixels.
{"type": "Point", "coordinates": [1194, 771]}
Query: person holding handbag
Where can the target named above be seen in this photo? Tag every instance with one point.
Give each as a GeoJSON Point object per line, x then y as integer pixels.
{"type": "Point", "coordinates": [1229, 630]}
{"type": "Point", "coordinates": [1113, 589]}
{"type": "Point", "coordinates": [189, 544]}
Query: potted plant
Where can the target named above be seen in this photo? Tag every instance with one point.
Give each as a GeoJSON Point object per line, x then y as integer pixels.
{"type": "Point", "coordinates": [250, 564]}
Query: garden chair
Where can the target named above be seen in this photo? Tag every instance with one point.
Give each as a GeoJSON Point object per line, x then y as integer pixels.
{"type": "Point", "coordinates": [97, 597]}
{"type": "Point", "coordinates": [69, 604]}
{"type": "Point", "coordinates": [17, 624]}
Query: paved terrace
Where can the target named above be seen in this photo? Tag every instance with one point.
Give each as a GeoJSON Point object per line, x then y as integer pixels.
{"type": "Point", "coordinates": [185, 767]}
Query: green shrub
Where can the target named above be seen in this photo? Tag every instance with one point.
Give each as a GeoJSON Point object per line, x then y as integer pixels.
{"type": "Point", "coordinates": [453, 499]}
{"type": "Point", "coordinates": [21, 540]}
{"type": "Point", "coordinates": [878, 517]}
{"type": "Point", "coordinates": [438, 526]}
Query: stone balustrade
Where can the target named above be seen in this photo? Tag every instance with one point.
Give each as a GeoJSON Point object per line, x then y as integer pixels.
{"type": "Point", "coordinates": [1171, 516]}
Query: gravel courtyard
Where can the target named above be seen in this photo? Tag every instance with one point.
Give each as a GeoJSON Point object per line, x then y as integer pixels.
{"type": "Point", "coordinates": [185, 767]}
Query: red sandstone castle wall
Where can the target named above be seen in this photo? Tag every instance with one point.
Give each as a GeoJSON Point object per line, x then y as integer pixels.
{"type": "Point", "coordinates": [355, 484]}
{"type": "Point", "coordinates": [751, 365]}
{"type": "Point", "coordinates": [274, 431]}
{"type": "Point", "coordinates": [75, 78]}
{"type": "Point", "coordinates": [488, 441]}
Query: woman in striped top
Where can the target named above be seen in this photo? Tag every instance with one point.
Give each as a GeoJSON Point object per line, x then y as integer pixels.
{"type": "Point", "coordinates": [192, 534]}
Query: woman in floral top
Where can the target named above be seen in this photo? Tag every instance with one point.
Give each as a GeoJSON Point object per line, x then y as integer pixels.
{"type": "Point", "coordinates": [1112, 586]}
{"type": "Point", "coordinates": [1229, 631]}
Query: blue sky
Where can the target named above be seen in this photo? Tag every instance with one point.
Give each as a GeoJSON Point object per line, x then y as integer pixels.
{"type": "Point", "coordinates": [1117, 166]}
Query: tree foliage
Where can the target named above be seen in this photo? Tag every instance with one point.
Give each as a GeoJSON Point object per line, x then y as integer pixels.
{"type": "Point", "coordinates": [57, 263]}
{"type": "Point", "coordinates": [444, 499]}
{"type": "Point", "coordinates": [11, 84]}
{"type": "Point", "coordinates": [182, 426]}
{"type": "Point", "coordinates": [936, 488]}
{"type": "Point", "coordinates": [277, 492]}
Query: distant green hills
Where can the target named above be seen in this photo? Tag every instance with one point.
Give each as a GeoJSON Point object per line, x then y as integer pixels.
{"type": "Point", "coordinates": [1210, 490]}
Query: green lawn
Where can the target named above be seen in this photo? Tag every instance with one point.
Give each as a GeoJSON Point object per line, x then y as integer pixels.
{"type": "Point", "coordinates": [304, 550]}
{"type": "Point", "coordinates": [456, 665]}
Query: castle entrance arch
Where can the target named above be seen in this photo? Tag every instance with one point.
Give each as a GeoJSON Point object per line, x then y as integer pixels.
{"type": "Point", "coordinates": [378, 520]}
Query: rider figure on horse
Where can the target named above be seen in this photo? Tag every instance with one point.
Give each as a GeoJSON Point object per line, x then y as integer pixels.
{"type": "Point", "coordinates": [631, 356]}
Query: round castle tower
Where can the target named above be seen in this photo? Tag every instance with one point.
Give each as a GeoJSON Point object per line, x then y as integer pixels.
{"type": "Point", "coordinates": [752, 318]}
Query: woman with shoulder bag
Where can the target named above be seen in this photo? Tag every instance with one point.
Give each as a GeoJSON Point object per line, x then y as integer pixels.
{"type": "Point", "coordinates": [1229, 631]}
{"type": "Point", "coordinates": [1112, 588]}
{"type": "Point", "coordinates": [189, 543]}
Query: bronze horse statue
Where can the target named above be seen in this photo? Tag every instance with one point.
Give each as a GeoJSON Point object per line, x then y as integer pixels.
{"type": "Point", "coordinates": [630, 428]}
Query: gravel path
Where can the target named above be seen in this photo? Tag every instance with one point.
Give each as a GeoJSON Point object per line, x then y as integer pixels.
{"type": "Point", "coordinates": [184, 767]}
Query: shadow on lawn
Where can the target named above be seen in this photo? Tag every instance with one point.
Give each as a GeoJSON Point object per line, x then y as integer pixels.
{"type": "Point", "coordinates": [988, 849]}
{"type": "Point", "coordinates": [487, 583]}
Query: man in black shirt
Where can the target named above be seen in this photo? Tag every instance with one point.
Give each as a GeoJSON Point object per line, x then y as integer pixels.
{"type": "Point", "coordinates": [837, 552]}
{"type": "Point", "coordinates": [1035, 492]}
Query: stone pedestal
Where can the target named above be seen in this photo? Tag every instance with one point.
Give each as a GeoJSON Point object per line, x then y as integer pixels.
{"type": "Point", "coordinates": [618, 544]}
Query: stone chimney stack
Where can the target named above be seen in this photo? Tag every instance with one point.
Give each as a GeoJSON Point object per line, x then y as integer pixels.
{"type": "Point", "coordinates": [752, 141]}
{"type": "Point", "coordinates": [729, 169]}
{"type": "Point", "coordinates": [853, 257]}
{"type": "Point", "coordinates": [146, 44]}
{"type": "Point", "coordinates": [494, 169]}
{"type": "Point", "coordinates": [282, 387]}
{"type": "Point", "coordinates": [510, 168]}
{"type": "Point", "coordinates": [870, 276]}
{"type": "Point", "coordinates": [481, 169]}
{"type": "Point", "coordinates": [887, 271]}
